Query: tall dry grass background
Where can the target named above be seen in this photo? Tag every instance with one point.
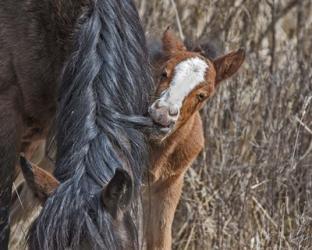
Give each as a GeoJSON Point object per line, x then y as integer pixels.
{"type": "Point", "coordinates": [251, 187]}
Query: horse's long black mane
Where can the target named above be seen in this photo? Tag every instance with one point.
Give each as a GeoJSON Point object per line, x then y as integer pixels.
{"type": "Point", "coordinates": [103, 94]}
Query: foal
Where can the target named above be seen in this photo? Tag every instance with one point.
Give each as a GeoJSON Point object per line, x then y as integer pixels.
{"type": "Point", "coordinates": [185, 80]}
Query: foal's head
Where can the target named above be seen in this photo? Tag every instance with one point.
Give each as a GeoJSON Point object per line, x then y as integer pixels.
{"type": "Point", "coordinates": [115, 197]}
{"type": "Point", "coordinates": [186, 80]}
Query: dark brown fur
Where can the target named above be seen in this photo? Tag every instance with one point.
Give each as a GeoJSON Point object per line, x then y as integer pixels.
{"type": "Point", "coordinates": [49, 50]}
{"type": "Point", "coordinates": [32, 55]}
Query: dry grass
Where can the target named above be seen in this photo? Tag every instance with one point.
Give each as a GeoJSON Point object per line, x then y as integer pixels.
{"type": "Point", "coordinates": [251, 187]}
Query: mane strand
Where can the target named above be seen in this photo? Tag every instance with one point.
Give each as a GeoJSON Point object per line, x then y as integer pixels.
{"type": "Point", "coordinates": [103, 94]}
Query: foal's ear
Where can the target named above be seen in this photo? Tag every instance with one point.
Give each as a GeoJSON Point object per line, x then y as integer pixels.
{"type": "Point", "coordinates": [171, 43]}
{"type": "Point", "coordinates": [41, 183]}
{"type": "Point", "coordinates": [228, 65]}
{"type": "Point", "coordinates": [118, 193]}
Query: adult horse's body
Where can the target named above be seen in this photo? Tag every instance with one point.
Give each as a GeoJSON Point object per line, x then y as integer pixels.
{"type": "Point", "coordinates": [95, 47]}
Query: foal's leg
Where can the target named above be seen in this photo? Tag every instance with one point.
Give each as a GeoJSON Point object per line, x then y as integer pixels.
{"type": "Point", "coordinates": [159, 212]}
{"type": "Point", "coordinates": [10, 124]}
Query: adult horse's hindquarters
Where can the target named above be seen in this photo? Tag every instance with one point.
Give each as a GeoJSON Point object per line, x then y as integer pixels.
{"type": "Point", "coordinates": [92, 52]}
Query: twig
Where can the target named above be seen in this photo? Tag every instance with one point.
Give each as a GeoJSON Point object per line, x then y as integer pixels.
{"type": "Point", "coordinates": [18, 196]}
{"type": "Point", "coordinates": [303, 125]}
{"type": "Point", "coordinates": [305, 105]}
{"type": "Point", "coordinates": [178, 19]}
{"type": "Point", "coordinates": [280, 15]}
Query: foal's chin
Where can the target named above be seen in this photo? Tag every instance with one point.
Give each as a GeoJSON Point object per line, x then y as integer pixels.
{"type": "Point", "coordinates": [159, 134]}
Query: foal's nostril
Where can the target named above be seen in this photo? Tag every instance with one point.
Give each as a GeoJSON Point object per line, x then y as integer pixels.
{"type": "Point", "coordinates": [173, 111]}
{"type": "Point", "coordinates": [157, 104]}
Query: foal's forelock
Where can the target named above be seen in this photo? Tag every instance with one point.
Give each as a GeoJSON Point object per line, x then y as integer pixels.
{"type": "Point", "coordinates": [187, 75]}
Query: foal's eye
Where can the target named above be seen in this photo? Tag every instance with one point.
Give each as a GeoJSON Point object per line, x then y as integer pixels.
{"type": "Point", "coordinates": [164, 74]}
{"type": "Point", "coordinates": [201, 97]}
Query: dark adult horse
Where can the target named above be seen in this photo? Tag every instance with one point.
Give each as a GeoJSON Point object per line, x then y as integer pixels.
{"type": "Point", "coordinates": [94, 52]}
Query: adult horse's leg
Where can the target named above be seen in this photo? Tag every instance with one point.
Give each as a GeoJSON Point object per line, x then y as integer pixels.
{"type": "Point", "coordinates": [10, 121]}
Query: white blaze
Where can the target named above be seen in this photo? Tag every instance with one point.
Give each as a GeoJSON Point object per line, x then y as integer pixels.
{"type": "Point", "coordinates": [188, 74]}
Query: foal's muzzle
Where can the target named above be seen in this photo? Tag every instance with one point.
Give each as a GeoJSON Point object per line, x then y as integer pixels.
{"type": "Point", "coordinates": [164, 114]}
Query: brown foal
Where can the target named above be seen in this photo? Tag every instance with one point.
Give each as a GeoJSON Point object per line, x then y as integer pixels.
{"type": "Point", "coordinates": [185, 80]}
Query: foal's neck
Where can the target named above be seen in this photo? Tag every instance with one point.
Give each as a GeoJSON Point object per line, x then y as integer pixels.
{"type": "Point", "coordinates": [179, 137]}
{"type": "Point", "coordinates": [173, 156]}
{"type": "Point", "coordinates": [183, 133]}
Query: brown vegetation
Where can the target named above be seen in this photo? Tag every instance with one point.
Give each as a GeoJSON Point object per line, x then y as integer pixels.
{"type": "Point", "coordinates": [251, 187]}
